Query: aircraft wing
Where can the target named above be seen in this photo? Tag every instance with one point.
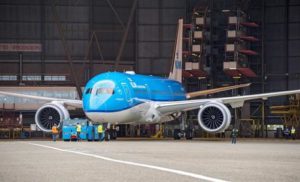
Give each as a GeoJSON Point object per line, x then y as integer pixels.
{"type": "Point", "coordinates": [236, 101]}
{"type": "Point", "coordinates": [215, 90]}
{"type": "Point", "coordinates": [68, 102]}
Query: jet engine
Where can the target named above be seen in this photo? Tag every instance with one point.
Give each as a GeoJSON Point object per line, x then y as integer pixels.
{"type": "Point", "coordinates": [214, 117]}
{"type": "Point", "coordinates": [50, 114]}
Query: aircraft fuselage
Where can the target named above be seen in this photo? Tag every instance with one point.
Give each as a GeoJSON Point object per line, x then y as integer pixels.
{"type": "Point", "coordinates": [115, 97]}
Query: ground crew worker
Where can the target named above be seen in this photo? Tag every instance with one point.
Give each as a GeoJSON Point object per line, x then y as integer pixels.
{"type": "Point", "coordinates": [54, 132]}
{"type": "Point", "coordinates": [286, 132]}
{"type": "Point", "coordinates": [100, 131]}
{"type": "Point", "coordinates": [234, 134]}
{"type": "Point", "coordinates": [78, 129]}
{"type": "Point", "coordinates": [293, 133]}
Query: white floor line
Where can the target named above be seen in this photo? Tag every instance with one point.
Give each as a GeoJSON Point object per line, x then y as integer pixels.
{"type": "Point", "coordinates": [183, 173]}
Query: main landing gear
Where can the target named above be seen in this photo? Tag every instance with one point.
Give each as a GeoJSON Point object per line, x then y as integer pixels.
{"type": "Point", "coordinates": [188, 134]}
{"type": "Point", "coordinates": [186, 130]}
{"type": "Point", "coordinates": [110, 132]}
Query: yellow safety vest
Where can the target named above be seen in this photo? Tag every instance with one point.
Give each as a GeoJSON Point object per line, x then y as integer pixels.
{"type": "Point", "coordinates": [54, 130]}
{"type": "Point", "coordinates": [293, 131]}
{"type": "Point", "coordinates": [100, 129]}
{"type": "Point", "coordinates": [78, 128]}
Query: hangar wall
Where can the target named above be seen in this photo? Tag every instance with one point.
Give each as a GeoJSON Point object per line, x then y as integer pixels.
{"type": "Point", "coordinates": [282, 44]}
{"type": "Point", "coordinates": [148, 44]}
{"type": "Point", "coordinates": [157, 24]}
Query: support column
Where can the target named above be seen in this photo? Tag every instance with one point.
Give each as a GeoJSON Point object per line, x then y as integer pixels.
{"type": "Point", "coordinates": [42, 39]}
{"type": "Point", "coordinates": [263, 123]}
{"type": "Point", "coordinates": [125, 35]}
{"type": "Point", "coordinates": [20, 68]}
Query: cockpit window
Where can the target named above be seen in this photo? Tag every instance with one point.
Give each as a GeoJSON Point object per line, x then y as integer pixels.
{"type": "Point", "coordinates": [103, 87]}
{"type": "Point", "coordinates": [109, 91]}
{"type": "Point", "coordinates": [88, 91]}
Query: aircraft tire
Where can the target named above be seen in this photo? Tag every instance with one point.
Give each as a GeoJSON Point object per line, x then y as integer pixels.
{"type": "Point", "coordinates": [189, 134]}
{"type": "Point", "coordinates": [107, 136]}
{"type": "Point", "coordinates": [113, 134]}
{"type": "Point", "coordinates": [177, 134]}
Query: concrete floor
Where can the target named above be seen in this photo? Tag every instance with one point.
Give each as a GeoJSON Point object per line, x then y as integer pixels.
{"type": "Point", "coordinates": [249, 160]}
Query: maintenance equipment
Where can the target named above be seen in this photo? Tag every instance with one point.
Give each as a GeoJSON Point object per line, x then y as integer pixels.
{"type": "Point", "coordinates": [290, 114]}
{"type": "Point", "coordinates": [69, 131]}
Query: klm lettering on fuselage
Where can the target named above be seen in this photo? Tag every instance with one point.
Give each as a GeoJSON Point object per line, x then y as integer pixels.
{"type": "Point", "coordinates": [134, 85]}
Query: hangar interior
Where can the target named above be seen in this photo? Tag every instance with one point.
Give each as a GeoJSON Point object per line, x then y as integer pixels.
{"type": "Point", "coordinates": [52, 48]}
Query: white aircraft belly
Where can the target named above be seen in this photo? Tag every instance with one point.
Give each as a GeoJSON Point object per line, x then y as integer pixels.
{"type": "Point", "coordinates": [134, 114]}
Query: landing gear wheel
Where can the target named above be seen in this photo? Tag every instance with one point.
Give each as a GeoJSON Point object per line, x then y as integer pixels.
{"type": "Point", "coordinates": [107, 136]}
{"type": "Point", "coordinates": [189, 134]}
{"type": "Point", "coordinates": [177, 134]}
{"type": "Point", "coordinates": [113, 134]}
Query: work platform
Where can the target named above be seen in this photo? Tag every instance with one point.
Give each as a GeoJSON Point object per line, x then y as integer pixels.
{"type": "Point", "coordinates": [290, 113]}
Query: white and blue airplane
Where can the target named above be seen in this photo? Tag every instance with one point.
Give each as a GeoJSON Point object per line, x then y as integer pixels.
{"type": "Point", "coordinates": [128, 98]}
{"type": "Point", "coordinates": [123, 98]}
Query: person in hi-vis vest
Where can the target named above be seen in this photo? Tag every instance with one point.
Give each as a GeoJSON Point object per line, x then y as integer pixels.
{"type": "Point", "coordinates": [78, 129]}
{"type": "Point", "coordinates": [54, 132]}
{"type": "Point", "coordinates": [100, 131]}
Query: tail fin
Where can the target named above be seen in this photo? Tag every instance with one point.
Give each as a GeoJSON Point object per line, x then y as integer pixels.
{"type": "Point", "coordinates": [176, 68]}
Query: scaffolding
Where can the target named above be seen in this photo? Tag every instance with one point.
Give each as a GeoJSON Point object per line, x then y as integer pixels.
{"type": "Point", "coordinates": [289, 114]}
{"type": "Point", "coordinates": [237, 48]}
{"type": "Point", "coordinates": [195, 72]}
{"type": "Point", "coordinates": [10, 123]}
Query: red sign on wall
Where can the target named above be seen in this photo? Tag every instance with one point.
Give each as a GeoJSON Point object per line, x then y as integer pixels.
{"type": "Point", "coordinates": [16, 47]}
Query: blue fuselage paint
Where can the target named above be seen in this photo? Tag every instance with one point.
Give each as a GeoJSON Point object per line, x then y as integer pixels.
{"type": "Point", "coordinates": [115, 91]}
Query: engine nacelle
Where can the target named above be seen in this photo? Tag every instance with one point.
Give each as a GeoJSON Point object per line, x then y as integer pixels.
{"type": "Point", "coordinates": [50, 114]}
{"type": "Point", "coordinates": [214, 117]}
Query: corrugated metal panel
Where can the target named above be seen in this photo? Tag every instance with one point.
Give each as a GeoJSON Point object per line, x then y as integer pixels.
{"type": "Point", "coordinates": [148, 49]}
{"type": "Point", "coordinates": [275, 15]}
{"type": "Point", "coordinates": [148, 16]}
{"type": "Point", "coordinates": [148, 33]}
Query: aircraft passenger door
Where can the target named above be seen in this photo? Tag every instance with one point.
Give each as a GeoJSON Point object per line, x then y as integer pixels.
{"type": "Point", "coordinates": [127, 93]}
